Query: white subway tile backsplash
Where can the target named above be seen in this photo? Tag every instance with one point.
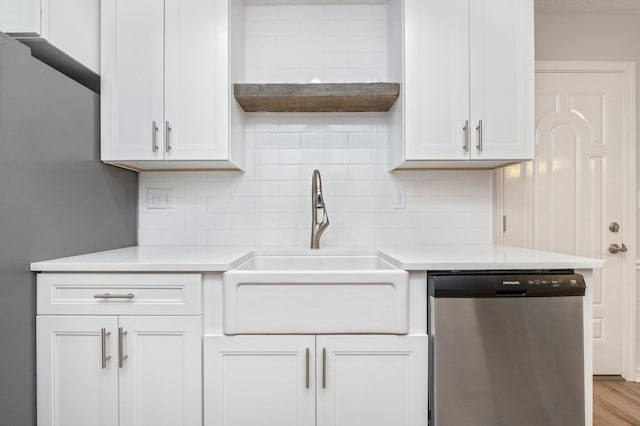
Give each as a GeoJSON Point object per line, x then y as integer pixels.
{"type": "Point", "coordinates": [371, 60]}
{"type": "Point", "coordinates": [247, 188]}
{"type": "Point", "coordinates": [366, 172]}
{"type": "Point", "coordinates": [171, 237]}
{"type": "Point", "coordinates": [294, 221]}
{"type": "Point", "coordinates": [347, 188]}
{"type": "Point", "coordinates": [254, 221]}
{"type": "Point", "coordinates": [258, 12]}
{"type": "Point", "coordinates": [349, 156]}
{"type": "Point", "coordinates": [277, 140]}
{"type": "Point", "coordinates": [346, 75]}
{"type": "Point", "coordinates": [229, 205]}
{"type": "Point", "coordinates": [299, 75]}
{"type": "Point", "coordinates": [368, 140]}
{"type": "Point", "coordinates": [207, 221]}
{"type": "Point", "coordinates": [328, 171]}
{"type": "Point", "coordinates": [162, 220]}
{"type": "Point", "coordinates": [183, 205]}
{"type": "Point", "coordinates": [379, 156]}
{"type": "Point", "coordinates": [379, 74]}
{"type": "Point", "coordinates": [280, 205]}
{"type": "Point", "coordinates": [269, 204]}
{"type": "Point", "coordinates": [277, 172]}
{"type": "Point", "coordinates": [265, 156]}
{"type": "Point", "coordinates": [301, 156]}
{"type": "Point", "coordinates": [206, 189]}
{"type": "Point", "coordinates": [294, 189]}
{"type": "Point", "coordinates": [324, 140]}
{"type": "Point", "coordinates": [302, 43]}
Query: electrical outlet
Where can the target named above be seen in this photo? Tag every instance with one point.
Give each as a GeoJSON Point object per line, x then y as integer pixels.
{"type": "Point", "coordinates": [159, 198]}
{"type": "Point", "coordinates": [401, 199]}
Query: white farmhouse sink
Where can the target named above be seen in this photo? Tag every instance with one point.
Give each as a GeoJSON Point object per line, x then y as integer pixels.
{"type": "Point", "coordinates": [315, 294]}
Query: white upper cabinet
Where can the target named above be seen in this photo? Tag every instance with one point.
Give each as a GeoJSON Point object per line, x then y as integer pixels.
{"type": "Point", "coordinates": [468, 84]}
{"type": "Point", "coordinates": [165, 86]}
{"type": "Point", "coordinates": [63, 33]}
{"type": "Point", "coordinates": [20, 16]}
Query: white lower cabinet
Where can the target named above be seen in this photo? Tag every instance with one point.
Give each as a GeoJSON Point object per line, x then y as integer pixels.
{"type": "Point", "coordinates": [342, 380]}
{"type": "Point", "coordinates": [73, 388]}
{"type": "Point", "coordinates": [127, 370]}
{"type": "Point", "coordinates": [115, 349]}
{"type": "Point", "coordinates": [372, 380]}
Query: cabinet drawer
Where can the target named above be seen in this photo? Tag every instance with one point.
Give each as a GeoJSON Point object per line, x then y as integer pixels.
{"type": "Point", "coordinates": [114, 294]}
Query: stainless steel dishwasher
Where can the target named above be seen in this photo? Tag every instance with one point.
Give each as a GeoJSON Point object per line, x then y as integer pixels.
{"type": "Point", "coordinates": [506, 348]}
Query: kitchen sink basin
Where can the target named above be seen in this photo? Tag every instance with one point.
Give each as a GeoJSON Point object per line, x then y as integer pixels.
{"type": "Point", "coordinates": [328, 263]}
{"type": "Point", "coordinates": [315, 294]}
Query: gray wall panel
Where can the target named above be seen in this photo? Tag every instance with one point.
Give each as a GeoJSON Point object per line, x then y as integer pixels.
{"type": "Point", "coordinates": [56, 200]}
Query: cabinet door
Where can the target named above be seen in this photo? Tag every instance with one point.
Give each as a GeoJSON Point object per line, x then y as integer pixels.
{"type": "Point", "coordinates": [260, 380]}
{"type": "Point", "coordinates": [132, 80]}
{"type": "Point", "coordinates": [372, 380]}
{"type": "Point", "coordinates": [74, 387]}
{"type": "Point", "coordinates": [436, 79]}
{"type": "Point", "coordinates": [161, 374]}
{"type": "Point", "coordinates": [20, 17]}
{"type": "Point", "coordinates": [502, 78]}
{"type": "Point", "coordinates": [64, 20]}
{"type": "Point", "coordinates": [197, 89]}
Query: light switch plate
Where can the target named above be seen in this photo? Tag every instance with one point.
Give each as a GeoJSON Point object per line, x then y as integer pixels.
{"type": "Point", "coordinates": [159, 198]}
{"type": "Point", "coordinates": [401, 199]}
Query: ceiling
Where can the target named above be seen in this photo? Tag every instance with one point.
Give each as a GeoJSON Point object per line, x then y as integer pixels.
{"type": "Point", "coordinates": [588, 6]}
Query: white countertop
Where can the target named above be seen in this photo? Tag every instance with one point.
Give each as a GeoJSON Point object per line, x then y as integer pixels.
{"type": "Point", "coordinates": [410, 258]}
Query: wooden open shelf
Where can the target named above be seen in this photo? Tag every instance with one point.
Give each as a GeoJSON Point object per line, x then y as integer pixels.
{"type": "Point", "coordinates": [317, 97]}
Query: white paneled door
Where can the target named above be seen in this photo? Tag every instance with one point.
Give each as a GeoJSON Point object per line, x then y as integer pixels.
{"type": "Point", "coordinates": [259, 380]}
{"type": "Point", "coordinates": [77, 370]}
{"type": "Point", "coordinates": [570, 198]}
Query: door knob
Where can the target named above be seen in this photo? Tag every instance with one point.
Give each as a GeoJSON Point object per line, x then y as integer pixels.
{"type": "Point", "coordinates": [614, 248]}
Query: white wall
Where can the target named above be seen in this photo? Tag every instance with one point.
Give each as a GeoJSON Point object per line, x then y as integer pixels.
{"type": "Point", "coordinates": [270, 203]}
{"type": "Point", "coordinates": [593, 37]}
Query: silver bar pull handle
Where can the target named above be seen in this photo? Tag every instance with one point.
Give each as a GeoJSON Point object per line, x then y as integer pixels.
{"type": "Point", "coordinates": [466, 136]}
{"type": "Point", "coordinates": [114, 296]}
{"type": "Point", "coordinates": [307, 370]}
{"type": "Point", "coordinates": [324, 368]}
{"type": "Point", "coordinates": [103, 340]}
{"type": "Point", "coordinates": [154, 136]}
{"type": "Point", "coordinates": [167, 136]}
{"type": "Point", "coordinates": [121, 355]}
{"type": "Point", "coordinates": [479, 129]}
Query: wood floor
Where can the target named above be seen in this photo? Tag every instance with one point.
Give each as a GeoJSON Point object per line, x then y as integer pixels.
{"type": "Point", "coordinates": [615, 402]}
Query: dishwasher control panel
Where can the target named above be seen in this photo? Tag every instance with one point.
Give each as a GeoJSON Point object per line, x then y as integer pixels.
{"type": "Point", "coordinates": [505, 284]}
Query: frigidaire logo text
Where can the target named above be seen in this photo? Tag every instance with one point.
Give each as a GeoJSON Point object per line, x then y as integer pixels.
{"type": "Point", "coordinates": [510, 282]}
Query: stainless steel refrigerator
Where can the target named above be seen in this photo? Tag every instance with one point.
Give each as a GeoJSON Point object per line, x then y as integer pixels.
{"type": "Point", "coordinates": [56, 199]}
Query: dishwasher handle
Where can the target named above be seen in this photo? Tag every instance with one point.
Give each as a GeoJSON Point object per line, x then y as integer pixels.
{"type": "Point", "coordinates": [510, 293]}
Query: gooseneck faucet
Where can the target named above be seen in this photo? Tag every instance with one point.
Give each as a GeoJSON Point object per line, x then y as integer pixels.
{"type": "Point", "coordinates": [317, 203]}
